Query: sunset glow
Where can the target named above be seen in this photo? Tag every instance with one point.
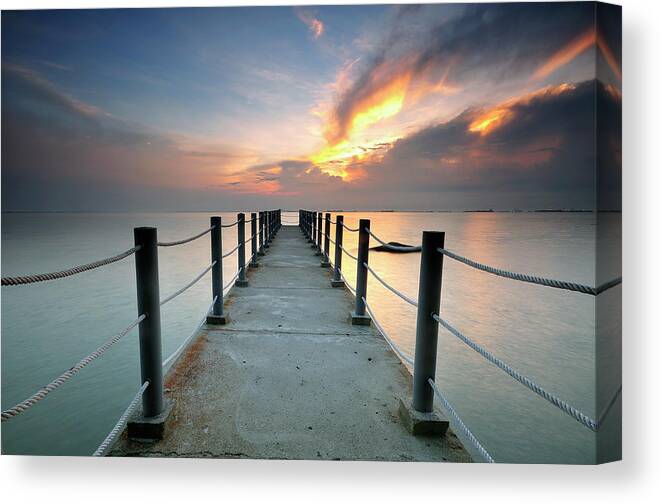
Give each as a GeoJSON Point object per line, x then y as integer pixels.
{"type": "Point", "coordinates": [259, 103]}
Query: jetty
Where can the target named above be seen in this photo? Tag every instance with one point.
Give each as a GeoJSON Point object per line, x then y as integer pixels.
{"type": "Point", "coordinates": [288, 361]}
{"type": "Point", "coordinates": [289, 377]}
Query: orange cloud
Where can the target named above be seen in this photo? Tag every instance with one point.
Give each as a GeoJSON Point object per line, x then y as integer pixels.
{"type": "Point", "coordinates": [501, 114]}
{"type": "Point", "coordinates": [315, 25]}
{"type": "Point", "coordinates": [566, 54]}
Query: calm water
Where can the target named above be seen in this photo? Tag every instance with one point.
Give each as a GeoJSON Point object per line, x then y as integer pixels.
{"type": "Point", "coordinates": [545, 333]}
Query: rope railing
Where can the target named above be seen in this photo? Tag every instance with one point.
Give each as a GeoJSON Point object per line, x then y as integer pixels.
{"type": "Point", "coordinates": [185, 240]}
{"type": "Point", "coordinates": [556, 284]}
{"type": "Point", "coordinates": [406, 298]}
{"type": "Point", "coordinates": [183, 345]}
{"type": "Point", "coordinates": [188, 285]}
{"type": "Point", "coordinates": [395, 248]}
{"type": "Point", "coordinates": [383, 332]}
{"type": "Point", "coordinates": [464, 428]}
{"type": "Point", "coordinates": [582, 418]}
{"type": "Point", "coordinates": [230, 225]}
{"type": "Point", "coordinates": [231, 251]}
{"type": "Point", "coordinates": [350, 229]}
{"type": "Point", "coordinates": [121, 423]}
{"type": "Point", "coordinates": [44, 391]}
{"type": "Point", "coordinates": [348, 253]}
{"type": "Point", "coordinates": [42, 277]}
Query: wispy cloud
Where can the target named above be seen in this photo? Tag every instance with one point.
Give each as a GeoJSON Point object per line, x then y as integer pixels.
{"type": "Point", "coordinates": [315, 26]}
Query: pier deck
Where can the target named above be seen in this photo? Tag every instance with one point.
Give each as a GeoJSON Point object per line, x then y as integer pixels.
{"type": "Point", "coordinates": [289, 377]}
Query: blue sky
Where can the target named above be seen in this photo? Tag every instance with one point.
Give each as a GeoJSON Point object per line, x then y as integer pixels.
{"type": "Point", "coordinates": [127, 109]}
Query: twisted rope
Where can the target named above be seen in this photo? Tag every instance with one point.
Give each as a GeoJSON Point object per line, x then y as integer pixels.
{"type": "Point", "coordinates": [230, 284]}
{"type": "Point", "coordinates": [392, 344]}
{"type": "Point", "coordinates": [460, 423]}
{"type": "Point", "coordinates": [350, 229]}
{"type": "Point", "coordinates": [409, 300]}
{"type": "Point", "coordinates": [232, 251]}
{"type": "Point", "coordinates": [185, 240]}
{"type": "Point", "coordinates": [183, 345]}
{"type": "Point", "coordinates": [229, 225]}
{"type": "Point", "coordinates": [188, 285]}
{"type": "Point", "coordinates": [396, 248]}
{"type": "Point", "coordinates": [44, 391]}
{"type": "Point", "coordinates": [557, 284]}
{"type": "Point", "coordinates": [121, 423]}
{"type": "Point", "coordinates": [348, 253]}
{"type": "Point", "coordinates": [42, 277]}
{"type": "Point", "coordinates": [346, 283]}
{"type": "Point", "coordinates": [527, 382]}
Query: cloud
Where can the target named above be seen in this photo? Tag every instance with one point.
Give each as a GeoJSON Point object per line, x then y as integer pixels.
{"type": "Point", "coordinates": [546, 145]}
{"type": "Point", "coordinates": [315, 26]}
{"type": "Point", "coordinates": [464, 45]}
{"type": "Point", "coordinates": [60, 151]}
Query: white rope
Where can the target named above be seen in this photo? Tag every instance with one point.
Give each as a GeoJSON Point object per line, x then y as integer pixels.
{"type": "Point", "coordinates": [230, 284]}
{"type": "Point", "coordinates": [392, 344]}
{"type": "Point", "coordinates": [409, 300]}
{"type": "Point", "coordinates": [351, 289]}
{"type": "Point", "coordinates": [185, 240]}
{"type": "Point", "coordinates": [350, 229]}
{"type": "Point", "coordinates": [527, 382]}
{"type": "Point", "coordinates": [396, 248]}
{"type": "Point", "coordinates": [44, 391]}
{"type": "Point", "coordinates": [557, 284]}
{"type": "Point", "coordinates": [188, 285]}
{"type": "Point", "coordinates": [121, 423]}
{"type": "Point", "coordinates": [42, 277]}
{"type": "Point", "coordinates": [232, 251]}
{"type": "Point", "coordinates": [464, 428]}
{"type": "Point", "coordinates": [349, 254]}
{"type": "Point", "coordinates": [183, 345]}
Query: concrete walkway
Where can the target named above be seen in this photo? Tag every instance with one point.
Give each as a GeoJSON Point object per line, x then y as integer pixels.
{"type": "Point", "coordinates": [290, 378]}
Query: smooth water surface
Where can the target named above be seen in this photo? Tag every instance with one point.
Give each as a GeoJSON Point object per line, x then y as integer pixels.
{"type": "Point", "coordinates": [547, 334]}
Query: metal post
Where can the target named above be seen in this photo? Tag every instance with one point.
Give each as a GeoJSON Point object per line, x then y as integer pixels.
{"type": "Point", "coordinates": [267, 234]}
{"type": "Point", "coordinates": [319, 227]}
{"type": "Point", "coordinates": [151, 358]}
{"type": "Point", "coordinates": [253, 240]}
{"type": "Point", "coordinates": [426, 332]}
{"type": "Point", "coordinates": [242, 280]}
{"type": "Point", "coordinates": [339, 232]}
{"type": "Point", "coordinates": [217, 315]}
{"type": "Point", "coordinates": [325, 259]}
{"type": "Point", "coordinates": [359, 317]}
{"type": "Point", "coordinates": [261, 234]}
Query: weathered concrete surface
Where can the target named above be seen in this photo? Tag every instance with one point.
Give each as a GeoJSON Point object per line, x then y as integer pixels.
{"type": "Point", "coordinates": [290, 378]}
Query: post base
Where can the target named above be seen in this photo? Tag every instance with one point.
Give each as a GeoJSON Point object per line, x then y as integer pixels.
{"type": "Point", "coordinates": [260, 253]}
{"type": "Point", "coordinates": [218, 319]}
{"type": "Point", "coordinates": [241, 283]}
{"type": "Point", "coordinates": [142, 428]}
{"type": "Point", "coordinates": [422, 424]}
{"type": "Point", "coordinates": [325, 264]}
{"type": "Point", "coordinates": [337, 283]}
{"type": "Point", "coordinates": [266, 245]}
{"type": "Point", "coordinates": [313, 245]}
{"type": "Point", "coordinates": [363, 320]}
{"type": "Point", "coordinates": [254, 264]}
{"type": "Point", "coordinates": [318, 253]}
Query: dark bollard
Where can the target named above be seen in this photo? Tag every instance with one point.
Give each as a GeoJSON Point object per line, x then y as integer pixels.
{"type": "Point", "coordinates": [267, 235]}
{"type": "Point", "coordinates": [325, 259]}
{"type": "Point", "coordinates": [242, 280]}
{"type": "Point", "coordinates": [339, 232]}
{"type": "Point", "coordinates": [319, 229]}
{"type": "Point", "coordinates": [150, 422]}
{"type": "Point", "coordinates": [313, 230]}
{"type": "Point", "coordinates": [217, 316]}
{"type": "Point", "coordinates": [261, 234]}
{"type": "Point", "coordinates": [420, 417]}
{"type": "Point", "coordinates": [359, 317]}
{"type": "Point", "coordinates": [253, 240]}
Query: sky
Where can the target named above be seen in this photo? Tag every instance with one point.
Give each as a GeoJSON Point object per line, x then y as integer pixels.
{"type": "Point", "coordinates": [416, 107]}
